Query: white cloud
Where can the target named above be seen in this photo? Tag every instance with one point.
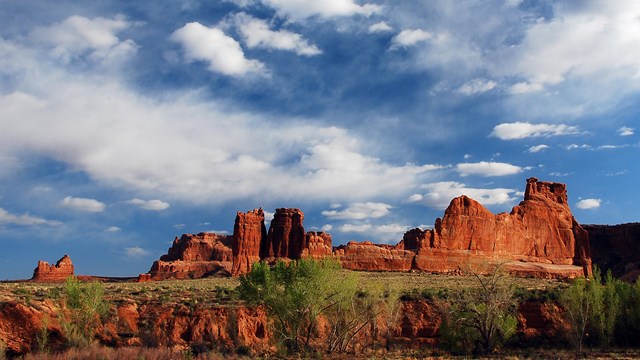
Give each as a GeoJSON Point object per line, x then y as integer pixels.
{"type": "Point", "coordinates": [525, 87]}
{"type": "Point", "coordinates": [82, 204]}
{"type": "Point", "coordinates": [588, 204]}
{"type": "Point", "coordinates": [576, 146]}
{"type": "Point", "coordinates": [410, 37]}
{"type": "Point", "coordinates": [485, 168]}
{"type": "Point", "coordinates": [300, 9]}
{"type": "Point", "coordinates": [217, 153]}
{"type": "Point", "coordinates": [477, 86]}
{"type": "Point", "coordinates": [359, 211]}
{"type": "Point", "coordinates": [626, 131]}
{"type": "Point", "coordinates": [112, 229]}
{"type": "Point", "coordinates": [136, 251]}
{"type": "Point", "coordinates": [268, 216]}
{"type": "Point", "coordinates": [326, 227]}
{"type": "Point", "coordinates": [467, 156]}
{"type": "Point", "coordinates": [392, 228]}
{"type": "Point", "coordinates": [440, 194]}
{"type": "Point", "coordinates": [78, 35]}
{"type": "Point", "coordinates": [24, 219]}
{"type": "Point", "coordinates": [380, 27]}
{"type": "Point", "coordinates": [179, 226]}
{"type": "Point", "coordinates": [256, 33]}
{"type": "Point", "coordinates": [538, 148]}
{"type": "Point", "coordinates": [154, 205]}
{"type": "Point", "coordinates": [521, 130]}
{"type": "Point", "coordinates": [347, 228]}
{"type": "Point", "coordinates": [222, 53]}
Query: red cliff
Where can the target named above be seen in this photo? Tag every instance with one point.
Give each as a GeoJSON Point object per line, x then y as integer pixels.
{"type": "Point", "coordinates": [249, 232]}
{"type": "Point", "coordinates": [616, 247]}
{"type": "Point", "coordinates": [195, 256]}
{"type": "Point", "coordinates": [286, 237]}
{"type": "Point", "coordinates": [53, 273]}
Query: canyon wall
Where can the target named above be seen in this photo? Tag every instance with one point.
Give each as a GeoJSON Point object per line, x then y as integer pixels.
{"type": "Point", "coordinates": [616, 247]}
{"type": "Point", "coordinates": [539, 237]}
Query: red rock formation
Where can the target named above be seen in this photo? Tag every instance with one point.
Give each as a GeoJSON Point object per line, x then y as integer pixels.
{"type": "Point", "coordinates": [317, 245]}
{"type": "Point", "coordinates": [249, 232]}
{"type": "Point", "coordinates": [540, 229]}
{"type": "Point", "coordinates": [366, 256]}
{"type": "Point", "coordinates": [143, 278]}
{"type": "Point", "coordinates": [53, 273]}
{"type": "Point", "coordinates": [616, 247]}
{"type": "Point", "coordinates": [195, 256]}
{"type": "Point", "coordinates": [286, 237]}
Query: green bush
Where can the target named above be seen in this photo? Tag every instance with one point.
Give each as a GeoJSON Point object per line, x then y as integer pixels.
{"type": "Point", "coordinates": [479, 319]}
{"type": "Point", "coordinates": [295, 294]}
{"type": "Point", "coordinates": [84, 308]}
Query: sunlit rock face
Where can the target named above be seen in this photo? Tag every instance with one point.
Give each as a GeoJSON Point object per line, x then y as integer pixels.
{"type": "Point", "coordinates": [53, 273]}
{"type": "Point", "coordinates": [539, 237]}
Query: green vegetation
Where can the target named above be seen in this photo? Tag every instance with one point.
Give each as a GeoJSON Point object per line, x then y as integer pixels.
{"type": "Point", "coordinates": [606, 311]}
{"type": "Point", "coordinates": [481, 318]}
{"type": "Point", "coordinates": [296, 294]}
{"type": "Point", "coordinates": [84, 307]}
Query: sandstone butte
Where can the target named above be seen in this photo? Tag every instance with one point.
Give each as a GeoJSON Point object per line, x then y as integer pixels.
{"type": "Point", "coordinates": [53, 273]}
{"type": "Point", "coordinates": [539, 237]}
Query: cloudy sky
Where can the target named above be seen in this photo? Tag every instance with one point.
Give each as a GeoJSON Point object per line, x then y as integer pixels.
{"type": "Point", "coordinates": [126, 123]}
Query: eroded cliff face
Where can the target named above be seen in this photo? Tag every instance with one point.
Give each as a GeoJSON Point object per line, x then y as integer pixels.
{"type": "Point", "coordinates": [225, 327]}
{"type": "Point", "coordinates": [248, 234]}
{"type": "Point", "coordinates": [53, 273]}
{"type": "Point", "coordinates": [539, 237]}
{"type": "Point", "coordinates": [616, 247]}
{"type": "Point", "coordinates": [195, 256]}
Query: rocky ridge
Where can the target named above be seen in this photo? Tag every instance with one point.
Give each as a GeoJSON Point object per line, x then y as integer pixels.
{"type": "Point", "coordinates": [57, 272]}
{"type": "Point", "coordinates": [539, 237]}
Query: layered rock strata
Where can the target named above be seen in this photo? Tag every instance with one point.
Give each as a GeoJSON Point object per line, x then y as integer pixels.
{"type": "Point", "coordinates": [53, 273]}
{"type": "Point", "coordinates": [539, 237]}
{"type": "Point", "coordinates": [195, 256]}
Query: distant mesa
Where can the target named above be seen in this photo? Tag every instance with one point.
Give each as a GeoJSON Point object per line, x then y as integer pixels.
{"type": "Point", "coordinates": [539, 237]}
{"type": "Point", "coordinates": [53, 273]}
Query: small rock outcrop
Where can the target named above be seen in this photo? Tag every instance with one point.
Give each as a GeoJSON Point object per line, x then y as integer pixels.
{"type": "Point", "coordinates": [53, 273]}
{"type": "Point", "coordinates": [195, 256]}
{"type": "Point", "coordinates": [317, 245]}
{"type": "Point", "coordinates": [249, 232]}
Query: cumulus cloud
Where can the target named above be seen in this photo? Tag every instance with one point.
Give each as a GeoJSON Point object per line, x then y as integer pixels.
{"type": "Point", "coordinates": [354, 228]}
{"type": "Point", "coordinates": [83, 204]}
{"type": "Point", "coordinates": [256, 33]}
{"type": "Point", "coordinates": [78, 35]}
{"type": "Point", "coordinates": [538, 148]}
{"type": "Point", "coordinates": [24, 219]}
{"type": "Point", "coordinates": [521, 130]}
{"type": "Point", "coordinates": [222, 53]}
{"type": "Point", "coordinates": [586, 204]}
{"type": "Point", "coordinates": [576, 146]}
{"type": "Point", "coordinates": [439, 194]}
{"type": "Point", "coordinates": [477, 86]}
{"type": "Point", "coordinates": [112, 229]}
{"type": "Point", "coordinates": [410, 37]}
{"type": "Point", "coordinates": [626, 131]}
{"type": "Point", "coordinates": [380, 27]}
{"type": "Point", "coordinates": [486, 168]}
{"type": "Point", "coordinates": [136, 251]}
{"type": "Point", "coordinates": [154, 205]}
{"type": "Point", "coordinates": [301, 9]}
{"type": "Point", "coordinates": [359, 211]}
{"type": "Point", "coordinates": [326, 227]}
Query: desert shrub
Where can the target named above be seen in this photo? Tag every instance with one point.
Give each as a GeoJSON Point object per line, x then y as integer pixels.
{"type": "Point", "coordinates": [627, 327]}
{"type": "Point", "coordinates": [594, 308]}
{"type": "Point", "coordinates": [296, 294]}
{"type": "Point", "coordinates": [481, 318]}
{"type": "Point", "coordinates": [42, 336]}
{"type": "Point", "coordinates": [84, 308]}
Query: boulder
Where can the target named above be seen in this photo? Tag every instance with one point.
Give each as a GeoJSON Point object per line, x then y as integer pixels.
{"type": "Point", "coordinates": [53, 273]}
{"type": "Point", "coordinates": [249, 233]}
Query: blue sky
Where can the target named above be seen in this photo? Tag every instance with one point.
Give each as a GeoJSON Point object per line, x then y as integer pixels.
{"type": "Point", "coordinates": [124, 124]}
